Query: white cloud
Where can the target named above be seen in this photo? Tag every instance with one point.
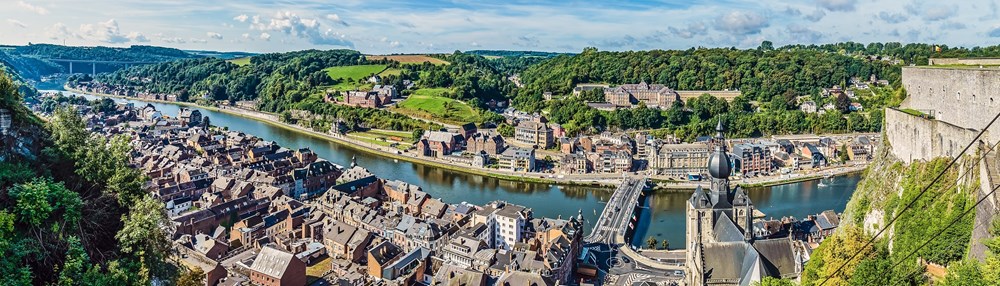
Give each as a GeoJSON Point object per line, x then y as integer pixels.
{"type": "Point", "coordinates": [815, 16]}
{"type": "Point", "coordinates": [265, 36]}
{"type": "Point", "coordinates": [137, 37]}
{"type": "Point", "coordinates": [741, 22]}
{"type": "Point", "coordinates": [174, 40]}
{"type": "Point", "coordinates": [198, 41]}
{"type": "Point", "coordinates": [17, 23]}
{"type": "Point", "coordinates": [58, 31]}
{"type": "Point", "coordinates": [394, 44]}
{"type": "Point", "coordinates": [892, 18]}
{"type": "Point", "coordinates": [214, 35]}
{"type": "Point", "coordinates": [290, 23]}
{"type": "Point", "coordinates": [246, 36]}
{"type": "Point", "coordinates": [475, 44]}
{"type": "Point", "coordinates": [241, 18]}
{"type": "Point", "coordinates": [33, 8]}
{"type": "Point", "coordinates": [106, 32]}
{"type": "Point", "coordinates": [336, 19]}
{"type": "Point", "coordinates": [837, 5]}
{"type": "Point", "coordinates": [692, 30]}
{"type": "Point", "coordinates": [935, 13]}
{"type": "Point", "coordinates": [803, 34]}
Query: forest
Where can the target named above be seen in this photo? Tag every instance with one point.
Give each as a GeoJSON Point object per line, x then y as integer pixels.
{"type": "Point", "coordinates": [772, 82]}
{"type": "Point", "coordinates": [72, 209]}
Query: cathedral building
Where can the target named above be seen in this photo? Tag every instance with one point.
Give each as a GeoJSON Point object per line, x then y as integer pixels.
{"type": "Point", "coordinates": [722, 248]}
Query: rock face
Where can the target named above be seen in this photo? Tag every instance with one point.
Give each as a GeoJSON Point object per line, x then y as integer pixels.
{"type": "Point", "coordinates": [5, 121]}
{"type": "Point", "coordinates": [18, 140]}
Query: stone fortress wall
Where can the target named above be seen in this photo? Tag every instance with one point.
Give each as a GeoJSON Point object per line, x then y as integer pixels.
{"type": "Point", "coordinates": [964, 61]}
{"type": "Point", "coordinates": [915, 138]}
{"type": "Point", "coordinates": [962, 101]}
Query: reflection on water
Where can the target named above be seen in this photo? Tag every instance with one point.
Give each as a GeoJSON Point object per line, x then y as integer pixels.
{"type": "Point", "coordinates": [664, 216]}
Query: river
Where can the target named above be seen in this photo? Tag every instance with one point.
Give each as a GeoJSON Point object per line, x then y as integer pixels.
{"type": "Point", "coordinates": [662, 218]}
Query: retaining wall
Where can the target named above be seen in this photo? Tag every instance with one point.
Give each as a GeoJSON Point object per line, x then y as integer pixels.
{"type": "Point", "coordinates": [915, 138]}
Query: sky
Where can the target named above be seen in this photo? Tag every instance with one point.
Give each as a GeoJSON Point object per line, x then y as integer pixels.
{"type": "Point", "coordinates": [426, 26]}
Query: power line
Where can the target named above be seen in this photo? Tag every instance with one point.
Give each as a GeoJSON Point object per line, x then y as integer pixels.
{"type": "Point", "coordinates": [952, 223]}
{"type": "Point", "coordinates": [914, 201]}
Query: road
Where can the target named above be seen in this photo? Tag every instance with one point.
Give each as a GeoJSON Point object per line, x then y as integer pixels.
{"type": "Point", "coordinates": [623, 264]}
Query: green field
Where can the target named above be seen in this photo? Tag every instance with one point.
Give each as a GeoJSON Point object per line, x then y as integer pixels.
{"type": "Point", "coordinates": [355, 73]}
{"type": "Point", "coordinates": [410, 59]}
{"type": "Point", "coordinates": [388, 72]}
{"type": "Point", "coordinates": [384, 138]}
{"type": "Point", "coordinates": [240, 61]}
{"type": "Point", "coordinates": [428, 103]}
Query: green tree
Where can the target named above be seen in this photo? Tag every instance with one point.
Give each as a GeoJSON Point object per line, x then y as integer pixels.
{"type": "Point", "coordinates": [144, 235]}
{"type": "Point", "coordinates": [505, 130]}
{"type": "Point", "coordinates": [418, 133]}
{"type": "Point", "coordinates": [771, 281]}
{"type": "Point", "coordinates": [76, 265]}
{"type": "Point", "coordinates": [664, 244]}
{"type": "Point", "coordinates": [192, 277]}
{"type": "Point", "coordinates": [68, 131]}
{"type": "Point", "coordinates": [651, 242]}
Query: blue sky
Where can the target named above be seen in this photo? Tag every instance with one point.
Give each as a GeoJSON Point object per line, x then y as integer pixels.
{"type": "Point", "coordinates": [393, 26]}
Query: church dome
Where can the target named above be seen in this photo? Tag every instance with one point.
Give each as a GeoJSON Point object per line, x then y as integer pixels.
{"type": "Point", "coordinates": [718, 165]}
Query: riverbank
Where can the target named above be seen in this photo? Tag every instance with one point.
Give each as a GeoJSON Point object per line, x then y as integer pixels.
{"type": "Point", "coordinates": [611, 180]}
{"type": "Point", "coordinates": [542, 178]}
{"type": "Point", "coordinates": [687, 187]}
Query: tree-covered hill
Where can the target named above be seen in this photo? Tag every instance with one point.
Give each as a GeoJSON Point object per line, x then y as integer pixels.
{"type": "Point", "coordinates": [72, 208]}
{"type": "Point", "coordinates": [35, 61]}
{"type": "Point", "coordinates": [759, 74]}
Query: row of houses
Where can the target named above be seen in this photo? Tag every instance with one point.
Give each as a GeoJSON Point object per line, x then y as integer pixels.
{"type": "Point", "coordinates": [616, 153]}
{"type": "Point", "coordinates": [286, 208]}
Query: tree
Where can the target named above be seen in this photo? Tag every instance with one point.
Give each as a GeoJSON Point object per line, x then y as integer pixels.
{"type": "Point", "coordinates": [843, 103]}
{"type": "Point", "coordinates": [505, 130]}
{"type": "Point", "coordinates": [192, 277]}
{"type": "Point", "coordinates": [771, 281]}
{"type": "Point", "coordinates": [68, 131]}
{"type": "Point", "coordinates": [76, 265]}
{"type": "Point", "coordinates": [651, 242]}
{"type": "Point", "coordinates": [665, 244]}
{"type": "Point", "coordinates": [418, 133]}
{"type": "Point", "coordinates": [144, 235]}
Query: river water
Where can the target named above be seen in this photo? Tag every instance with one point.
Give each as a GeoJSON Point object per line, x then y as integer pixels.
{"type": "Point", "coordinates": [662, 218]}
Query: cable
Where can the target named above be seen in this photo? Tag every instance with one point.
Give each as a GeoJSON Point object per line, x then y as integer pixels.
{"type": "Point", "coordinates": [912, 202]}
{"type": "Point", "coordinates": [953, 222]}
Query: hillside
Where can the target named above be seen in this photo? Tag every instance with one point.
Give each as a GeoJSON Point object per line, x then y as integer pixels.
{"type": "Point", "coordinates": [34, 61]}
{"type": "Point", "coordinates": [72, 209]}
{"type": "Point", "coordinates": [888, 186]}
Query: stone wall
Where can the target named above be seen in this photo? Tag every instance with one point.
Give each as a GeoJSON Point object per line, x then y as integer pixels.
{"type": "Point", "coordinates": [966, 97]}
{"type": "Point", "coordinates": [963, 61]}
{"type": "Point", "coordinates": [914, 138]}
{"type": "Point", "coordinates": [726, 95]}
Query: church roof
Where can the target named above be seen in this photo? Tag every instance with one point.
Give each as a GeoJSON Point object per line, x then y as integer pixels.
{"type": "Point", "coordinates": [725, 230]}
{"type": "Point", "coordinates": [779, 255]}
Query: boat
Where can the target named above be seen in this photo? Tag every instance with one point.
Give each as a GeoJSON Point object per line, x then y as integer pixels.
{"type": "Point", "coordinates": [821, 184]}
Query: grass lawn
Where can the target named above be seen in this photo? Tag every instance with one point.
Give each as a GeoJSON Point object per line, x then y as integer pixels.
{"type": "Point", "coordinates": [406, 136]}
{"type": "Point", "coordinates": [410, 59]}
{"type": "Point", "coordinates": [373, 139]}
{"type": "Point", "coordinates": [352, 86]}
{"type": "Point", "coordinates": [240, 61]}
{"type": "Point", "coordinates": [353, 72]}
{"type": "Point", "coordinates": [428, 103]}
{"type": "Point", "coordinates": [314, 271]}
{"type": "Point", "coordinates": [388, 72]}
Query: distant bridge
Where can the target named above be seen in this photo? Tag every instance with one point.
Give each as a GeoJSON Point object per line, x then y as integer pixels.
{"type": "Point", "coordinates": [93, 63]}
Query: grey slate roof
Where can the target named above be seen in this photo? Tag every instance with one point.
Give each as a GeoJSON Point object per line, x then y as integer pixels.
{"type": "Point", "coordinates": [272, 262]}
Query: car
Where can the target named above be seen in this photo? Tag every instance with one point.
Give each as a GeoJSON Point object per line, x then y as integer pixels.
{"type": "Point", "coordinates": [678, 273]}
